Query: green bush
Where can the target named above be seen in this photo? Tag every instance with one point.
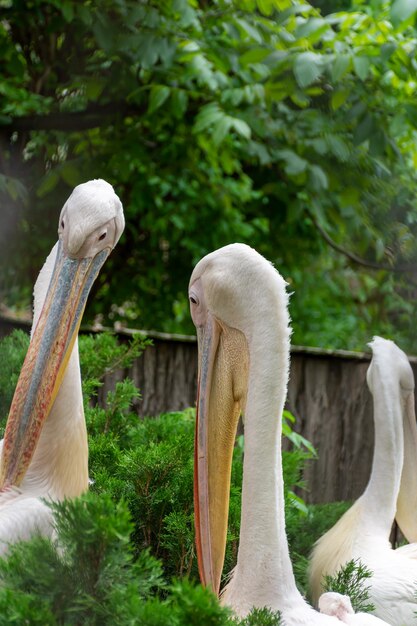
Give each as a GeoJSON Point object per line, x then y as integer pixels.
{"type": "Point", "coordinates": [88, 575]}
{"type": "Point", "coordinates": [304, 530]}
{"type": "Point", "coordinates": [351, 581]}
{"type": "Point", "coordinates": [13, 351]}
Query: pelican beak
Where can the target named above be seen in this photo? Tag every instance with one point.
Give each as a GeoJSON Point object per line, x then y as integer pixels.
{"type": "Point", "coordinates": [46, 360]}
{"type": "Point", "coordinates": [222, 383]}
{"type": "Point", "coordinates": [407, 497]}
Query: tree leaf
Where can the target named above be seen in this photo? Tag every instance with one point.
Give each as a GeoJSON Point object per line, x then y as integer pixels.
{"type": "Point", "coordinates": [94, 87]}
{"type": "Point", "coordinates": [241, 127]}
{"type": "Point", "coordinates": [158, 95]}
{"type": "Point", "coordinates": [70, 173]}
{"type": "Point", "coordinates": [361, 66]}
{"type": "Point", "coordinates": [307, 68]}
{"type": "Point", "coordinates": [318, 178]}
{"type": "Point", "coordinates": [364, 129]}
{"type": "Point", "coordinates": [254, 55]}
{"type": "Point", "coordinates": [221, 128]}
{"type": "Point", "coordinates": [401, 10]}
{"type": "Point", "coordinates": [338, 98]}
{"type": "Point", "coordinates": [179, 100]}
{"type": "Point", "coordinates": [48, 182]}
{"type": "Point", "coordinates": [266, 7]}
{"type": "Point", "coordinates": [249, 29]}
{"type": "Point", "coordinates": [338, 147]}
{"type": "Point", "coordinates": [67, 11]}
{"type": "Point", "coordinates": [310, 26]}
{"type": "Point", "coordinates": [207, 116]}
{"type": "Point", "coordinates": [293, 163]}
{"type": "Point", "coordinates": [340, 66]}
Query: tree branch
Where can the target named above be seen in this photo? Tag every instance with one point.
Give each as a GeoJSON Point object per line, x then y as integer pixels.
{"type": "Point", "coordinates": [91, 117]}
{"type": "Point", "coordinates": [357, 259]}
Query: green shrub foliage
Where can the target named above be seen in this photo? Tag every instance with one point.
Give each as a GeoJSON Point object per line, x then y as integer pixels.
{"type": "Point", "coordinates": [89, 575]}
{"type": "Point", "coordinates": [13, 350]}
{"type": "Point", "coordinates": [351, 581]}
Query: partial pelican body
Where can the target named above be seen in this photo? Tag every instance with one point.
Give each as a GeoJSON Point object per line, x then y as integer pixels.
{"type": "Point", "coordinates": [44, 453]}
{"type": "Point", "coordinates": [363, 531]}
{"type": "Point", "coordinates": [238, 304]}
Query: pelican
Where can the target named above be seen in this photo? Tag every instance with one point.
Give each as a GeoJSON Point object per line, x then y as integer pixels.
{"type": "Point", "coordinates": [44, 453]}
{"type": "Point", "coordinates": [238, 304]}
{"type": "Point", "coordinates": [340, 606]}
{"type": "Point", "coordinates": [363, 531]}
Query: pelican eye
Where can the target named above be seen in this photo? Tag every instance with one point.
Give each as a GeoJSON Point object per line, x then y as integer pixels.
{"type": "Point", "coordinates": [103, 236]}
{"type": "Point", "coordinates": [62, 224]}
{"type": "Point", "coordinates": [193, 300]}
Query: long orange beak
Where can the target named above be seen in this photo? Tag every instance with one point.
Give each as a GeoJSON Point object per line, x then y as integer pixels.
{"type": "Point", "coordinates": [46, 360]}
{"type": "Point", "coordinates": [223, 370]}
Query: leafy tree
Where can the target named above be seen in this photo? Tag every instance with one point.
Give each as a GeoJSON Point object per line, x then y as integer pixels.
{"type": "Point", "coordinates": [260, 121]}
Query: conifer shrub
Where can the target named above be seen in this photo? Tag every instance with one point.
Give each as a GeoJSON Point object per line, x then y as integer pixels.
{"type": "Point", "coordinates": [89, 575]}
{"type": "Point", "coordinates": [13, 349]}
{"type": "Point", "coordinates": [351, 580]}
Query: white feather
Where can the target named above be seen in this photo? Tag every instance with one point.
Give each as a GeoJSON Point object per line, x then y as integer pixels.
{"type": "Point", "coordinates": [363, 531]}
{"type": "Point", "coordinates": [59, 467]}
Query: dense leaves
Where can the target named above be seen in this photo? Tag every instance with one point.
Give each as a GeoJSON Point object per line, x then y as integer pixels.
{"type": "Point", "coordinates": [266, 122]}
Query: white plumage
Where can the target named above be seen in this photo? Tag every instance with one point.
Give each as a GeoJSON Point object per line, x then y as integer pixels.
{"type": "Point", "coordinates": [239, 306]}
{"type": "Point", "coordinates": [363, 531]}
{"type": "Point", "coordinates": [91, 222]}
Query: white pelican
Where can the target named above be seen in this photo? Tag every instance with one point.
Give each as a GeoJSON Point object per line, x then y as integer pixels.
{"type": "Point", "coordinates": [44, 452]}
{"type": "Point", "coordinates": [239, 306]}
{"type": "Point", "coordinates": [363, 531]}
{"type": "Point", "coordinates": [340, 606]}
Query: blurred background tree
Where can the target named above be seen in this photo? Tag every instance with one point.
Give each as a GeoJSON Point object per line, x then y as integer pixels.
{"type": "Point", "coordinates": [273, 122]}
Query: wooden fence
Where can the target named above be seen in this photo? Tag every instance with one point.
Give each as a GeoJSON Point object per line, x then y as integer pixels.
{"type": "Point", "coordinates": [327, 394]}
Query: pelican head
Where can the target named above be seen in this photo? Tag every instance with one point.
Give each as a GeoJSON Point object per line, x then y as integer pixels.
{"type": "Point", "coordinates": [230, 290]}
{"type": "Point", "coordinates": [389, 366]}
{"type": "Point", "coordinates": [90, 224]}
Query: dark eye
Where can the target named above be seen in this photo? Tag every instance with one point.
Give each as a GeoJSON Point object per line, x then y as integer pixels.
{"type": "Point", "coordinates": [103, 236]}
{"type": "Point", "coordinates": [62, 224]}
{"type": "Point", "coordinates": [193, 300]}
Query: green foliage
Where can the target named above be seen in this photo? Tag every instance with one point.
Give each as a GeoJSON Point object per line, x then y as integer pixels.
{"type": "Point", "coordinates": [304, 530]}
{"type": "Point", "coordinates": [102, 354]}
{"type": "Point", "coordinates": [260, 616]}
{"type": "Point", "coordinates": [351, 581]}
{"type": "Point", "coordinates": [153, 469]}
{"type": "Point", "coordinates": [269, 122]}
{"type": "Point", "coordinates": [13, 349]}
{"type": "Point", "coordinates": [87, 575]}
